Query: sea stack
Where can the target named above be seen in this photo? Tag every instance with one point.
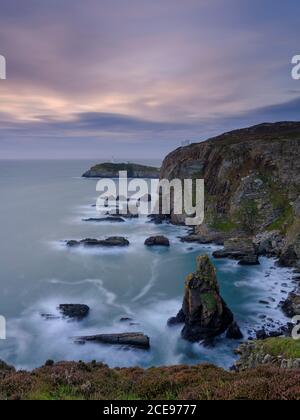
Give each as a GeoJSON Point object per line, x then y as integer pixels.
{"type": "Point", "coordinates": [204, 313]}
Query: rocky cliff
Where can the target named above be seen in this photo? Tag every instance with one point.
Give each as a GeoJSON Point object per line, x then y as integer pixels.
{"type": "Point", "coordinates": [252, 185]}
{"type": "Point", "coordinates": [111, 170]}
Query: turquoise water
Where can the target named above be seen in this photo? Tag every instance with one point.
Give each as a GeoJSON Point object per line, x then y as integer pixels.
{"type": "Point", "coordinates": [42, 204]}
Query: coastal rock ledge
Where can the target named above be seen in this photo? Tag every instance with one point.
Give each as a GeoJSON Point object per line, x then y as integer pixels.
{"type": "Point", "coordinates": [108, 242]}
{"type": "Point", "coordinates": [204, 313]}
{"type": "Point", "coordinates": [134, 339]}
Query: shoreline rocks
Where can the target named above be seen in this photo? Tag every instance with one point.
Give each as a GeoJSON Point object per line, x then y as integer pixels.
{"type": "Point", "coordinates": [134, 339]}
{"type": "Point", "coordinates": [204, 313]}
{"type": "Point", "coordinates": [240, 249]}
{"type": "Point", "coordinates": [291, 306]}
{"type": "Point", "coordinates": [258, 353]}
{"type": "Point", "coordinates": [113, 241]}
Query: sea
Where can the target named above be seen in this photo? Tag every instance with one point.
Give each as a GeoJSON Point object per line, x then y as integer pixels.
{"type": "Point", "coordinates": [43, 204]}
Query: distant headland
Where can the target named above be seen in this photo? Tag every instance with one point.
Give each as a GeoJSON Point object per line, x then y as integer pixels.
{"type": "Point", "coordinates": [111, 170]}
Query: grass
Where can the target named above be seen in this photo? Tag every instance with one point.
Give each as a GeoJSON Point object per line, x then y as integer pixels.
{"type": "Point", "coordinates": [209, 300]}
{"type": "Point", "coordinates": [285, 347]}
{"type": "Point", "coordinates": [223, 225]}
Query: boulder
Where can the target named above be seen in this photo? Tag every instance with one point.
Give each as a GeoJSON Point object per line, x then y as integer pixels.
{"type": "Point", "coordinates": [126, 319]}
{"type": "Point", "coordinates": [108, 242]}
{"type": "Point", "coordinates": [204, 313]}
{"type": "Point", "coordinates": [135, 339]}
{"type": "Point", "coordinates": [291, 306]}
{"type": "Point", "coordinates": [157, 241]}
{"type": "Point", "coordinates": [74, 311]}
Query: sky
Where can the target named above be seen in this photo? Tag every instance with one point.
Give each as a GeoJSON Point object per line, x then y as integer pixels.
{"type": "Point", "coordinates": [135, 78]}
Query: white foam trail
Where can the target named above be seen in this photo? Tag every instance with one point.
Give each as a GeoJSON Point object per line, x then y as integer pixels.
{"type": "Point", "coordinates": [110, 298]}
{"type": "Point", "coordinates": [150, 283]}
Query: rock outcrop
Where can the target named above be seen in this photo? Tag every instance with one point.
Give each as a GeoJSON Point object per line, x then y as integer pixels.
{"type": "Point", "coordinates": [74, 311]}
{"type": "Point", "coordinates": [204, 313]}
{"type": "Point", "coordinates": [241, 249]}
{"type": "Point", "coordinates": [283, 353]}
{"type": "Point", "coordinates": [111, 170]}
{"type": "Point", "coordinates": [108, 242]}
{"type": "Point", "coordinates": [135, 339]}
{"type": "Point", "coordinates": [157, 241]}
{"type": "Point", "coordinates": [291, 306]}
{"type": "Point", "coordinates": [252, 186]}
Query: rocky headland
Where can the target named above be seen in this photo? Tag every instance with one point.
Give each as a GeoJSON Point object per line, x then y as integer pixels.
{"type": "Point", "coordinates": [252, 186]}
{"type": "Point", "coordinates": [111, 170]}
{"type": "Point", "coordinates": [252, 193]}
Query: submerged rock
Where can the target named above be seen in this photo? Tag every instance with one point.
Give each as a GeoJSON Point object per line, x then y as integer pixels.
{"type": "Point", "coordinates": [108, 242]}
{"type": "Point", "coordinates": [135, 339]}
{"type": "Point", "coordinates": [50, 317]}
{"type": "Point", "coordinates": [251, 259]}
{"type": "Point", "coordinates": [157, 241]}
{"type": "Point", "coordinates": [204, 312]}
{"type": "Point", "coordinates": [126, 319]}
{"type": "Point", "coordinates": [110, 219]}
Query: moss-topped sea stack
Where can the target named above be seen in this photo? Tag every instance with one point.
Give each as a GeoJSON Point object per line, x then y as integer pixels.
{"type": "Point", "coordinates": [204, 313]}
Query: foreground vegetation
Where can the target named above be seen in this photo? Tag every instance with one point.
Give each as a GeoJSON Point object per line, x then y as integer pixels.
{"type": "Point", "coordinates": [285, 347]}
{"type": "Point", "coordinates": [70, 380]}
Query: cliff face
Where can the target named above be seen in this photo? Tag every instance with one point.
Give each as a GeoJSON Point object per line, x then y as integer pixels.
{"type": "Point", "coordinates": [252, 183]}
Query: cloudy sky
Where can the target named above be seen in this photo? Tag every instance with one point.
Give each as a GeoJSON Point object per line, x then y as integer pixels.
{"type": "Point", "coordinates": [135, 78]}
